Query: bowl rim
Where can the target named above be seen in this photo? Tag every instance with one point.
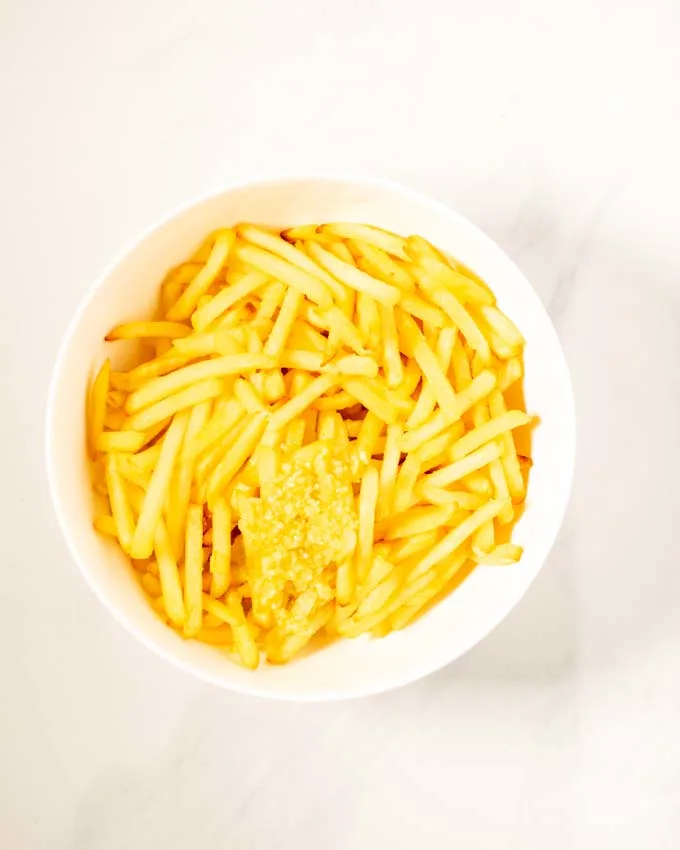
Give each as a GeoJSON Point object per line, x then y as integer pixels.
{"type": "Point", "coordinates": [397, 681]}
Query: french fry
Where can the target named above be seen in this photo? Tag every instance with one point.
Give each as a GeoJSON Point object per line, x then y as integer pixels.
{"type": "Point", "coordinates": [502, 555]}
{"type": "Point", "coordinates": [352, 276]}
{"type": "Point", "coordinates": [218, 305]}
{"type": "Point", "coordinates": [462, 286]}
{"type": "Point", "coordinates": [391, 358]}
{"type": "Point", "coordinates": [429, 365]}
{"type": "Point", "coordinates": [120, 441]}
{"type": "Point", "coordinates": [169, 576]}
{"type": "Point", "coordinates": [106, 524]}
{"type": "Point", "coordinates": [417, 246]}
{"type": "Point", "coordinates": [427, 400]}
{"type": "Point", "coordinates": [374, 398]}
{"type": "Point", "coordinates": [143, 539]}
{"type": "Point", "coordinates": [418, 520]}
{"type": "Point", "coordinates": [388, 471]}
{"type": "Point", "coordinates": [148, 330]}
{"type": "Point", "coordinates": [439, 496]}
{"type": "Point", "coordinates": [120, 506]}
{"type": "Point", "coordinates": [236, 456]}
{"type": "Point", "coordinates": [193, 571]}
{"type": "Point", "coordinates": [368, 320]}
{"type": "Point", "coordinates": [420, 592]}
{"type": "Point", "coordinates": [279, 246]}
{"type": "Point", "coordinates": [502, 326]}
{"type": "Point", "coordinates": [284, 323]}
{"type": "Point", "coordinates": [406, 482]}
{"type": "Point", "coordinates": [249, 398]}
{"type": "Point", "coordinates": [165, 408]}
{"type": "Point", "coordinates": [138, 376]}
{"type": "Point", "coordinates": [180, 485]}
{"type": "Point", "coordinates": [478, 482]}
{"type": "Point", "coordinates": [378, 263]}
{"type": "Point", "coordinates": [374, 236]}
{"type": "Point", "coordinates": [301, 402]}
{"type": "Point", "coordinates": [368, 499]}
{"type": "Point", "coordinates": [509, 459]}
{"type": "Point", "coordinates": [200, 284]}
{"type": "Point", "coordinates": [478, 459]}
{"type": "Point", "coordinates": [97, 406]}
{"type": "Point", "coordinates": [220, 367]}
{"type": "Point", "coordinates": [421, 309]}
{"type": "Point", "coordinates": [460, 317]}
{"type": "Point", "coordinates": [489, 431]}
{"type": "Point", "coordinates": [293, 276]}
{"type": "Point", "coordinates": [456, 537]}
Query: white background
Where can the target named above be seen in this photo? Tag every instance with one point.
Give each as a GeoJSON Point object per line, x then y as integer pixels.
{"type": "Point", "coordinates": [555, 126]}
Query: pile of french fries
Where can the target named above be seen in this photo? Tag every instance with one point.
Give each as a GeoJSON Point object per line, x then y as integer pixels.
{"type": "Point", "coordinates": [316, 439]}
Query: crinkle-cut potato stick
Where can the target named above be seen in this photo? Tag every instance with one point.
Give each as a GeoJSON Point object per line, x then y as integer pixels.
{"type": "Point", "coordinates": [322, 440]}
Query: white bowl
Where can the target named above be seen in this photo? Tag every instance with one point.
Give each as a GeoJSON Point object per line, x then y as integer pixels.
{"type": "Point", "coordinates": [348, 668]}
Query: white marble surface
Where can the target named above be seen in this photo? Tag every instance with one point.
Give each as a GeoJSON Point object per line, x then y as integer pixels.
{"type": "Point", "coordinates": [555, 127]}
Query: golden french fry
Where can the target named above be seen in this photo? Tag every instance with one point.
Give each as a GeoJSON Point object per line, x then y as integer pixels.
{"type": "Point", "coordinates": [220, 367]}
{"type": "Point", "coordinates": [97, 405]}
{"type": "Point", "coordinates": [489, 431]}
{"type": "Point", "coordinates": [460, 317]}
{"type": "Point", "coordinates": [509, 458]}
{"type": "Point", "coordinates": [193, 571]}
{"type": "Point", "coordinates": [169, 576]}
{"type": "Point", "coordinates": [418, 520]}
{"type": "Point", "coordinates": [459, 469]}
{"type": "Point", "coordinates": [439, 496]}
{"type": "Point", "coordinates": [464, 287]}
{"type": "Point", "coordinates": [143, 539]}
{"type": "Point", "coordinates": [301, 402]}
{"type": "Point", "coordinates": [120, 441]}
{"type": "Point", "coordinates": [368, 499]}
{"type": "Point", "coordinates": [106, 524]}
{"type": "Point", "coordinates": [426, 401]}
{"type": "Point", "coordinates": [388, 471]}
{"type": "Point", "coordinates": [120, 506]}
{"type": "Point", "coordinates": [145, 330]}
{"type": "Point", "coordinates": [236, 456]}
{"type": "Point", "coordinates": [218, 305]}
{"type": "Point", "coordinates": [381, 239]}
{"type": "Point", "coordinates": [165, 408]}
{"type": "Point", "coordinates": [391, 358]}
{"type": "Point", "coordinates": [406, 481]}
{"type": "Point", "coordinates": [295, 277]}
{"type": "Point", "coordinates": [457, 536]}
{"type": "Point", "coordinates": [284, 323]}
{"type": "Point", "coordinates": [200, 284]}
{"type": "Point", "coordinates": [502, 555]}
{"type": "Point", "coordinates": [353, 277]}
{"type": "Point", "coordinates": [291, 253]}
{"type": "Point", "coordinates": [378, 263]}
